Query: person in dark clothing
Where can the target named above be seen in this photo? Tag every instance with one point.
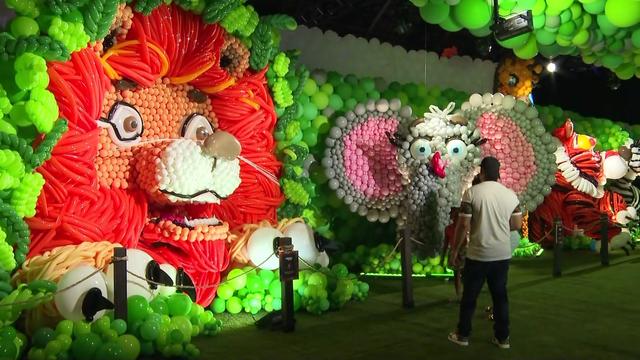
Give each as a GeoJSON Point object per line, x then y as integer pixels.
{"type": "Point", "coordinates": [489, 211]}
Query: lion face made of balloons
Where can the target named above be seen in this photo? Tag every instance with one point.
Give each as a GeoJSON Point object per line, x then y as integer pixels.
{"type": "Point", "coordinates": [169, 135]}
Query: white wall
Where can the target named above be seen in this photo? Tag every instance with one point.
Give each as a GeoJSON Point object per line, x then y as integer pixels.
{"type": "Point", "coordinates": [371, 58]}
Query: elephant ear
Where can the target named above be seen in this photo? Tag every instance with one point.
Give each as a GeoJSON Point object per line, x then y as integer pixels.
{"type": "Point", "coordinates": [361, 158]}
{"type": "Point", "coordinates": [514, 134]}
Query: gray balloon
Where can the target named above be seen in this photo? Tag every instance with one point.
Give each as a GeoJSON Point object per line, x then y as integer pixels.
{"type": "Point", "coordinates": [371, 105]}
{"type": "Point", "coordinates": [330, 173]}
{"type": "Point", "coordinates": [335, 132]}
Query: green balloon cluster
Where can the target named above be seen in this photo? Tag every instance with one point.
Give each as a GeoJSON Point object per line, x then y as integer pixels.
{"type": "Point", "coordinates": [420, 97]}
{"type": "Point", "coordinates": [608, 134]}
{"type": "Point", "coordinates": [527, 248]}
{"type": "Point", "coordinates": [382, 259]}
{"type": "Point", "coordinates": [578, 242]}
{"type": "Point", "coordinates": [315, 291]}
{"type": "Point", "coordinates": [12, 343]}
{"type": "Point", "coordinates": [163, 327]}
{"type": "Point", "coordinates": [604, 32]}
{"type": "Point", "coordinates": [25, 297]}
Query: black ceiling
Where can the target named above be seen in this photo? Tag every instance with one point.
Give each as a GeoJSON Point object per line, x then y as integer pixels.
{"type": "Point", "coordinates": [585, 89]}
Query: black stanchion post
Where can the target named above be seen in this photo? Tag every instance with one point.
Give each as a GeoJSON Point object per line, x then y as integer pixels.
{"type": "Point", "coordinates": [120, 283]}
{"type": "Point", "coordinates": [604, 240]}
{"type": "Point", "coordinates": [288, 273]}
{"type": "Point", "coordinates": [407, 269]}
{"type": "Point", "coordinates": [558, 244]}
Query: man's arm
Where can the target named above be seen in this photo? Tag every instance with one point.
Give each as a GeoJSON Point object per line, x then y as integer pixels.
{"type": "Point", "coordinates": [462, 226]}
{"type": "Point", "coordinates": [515, 222]}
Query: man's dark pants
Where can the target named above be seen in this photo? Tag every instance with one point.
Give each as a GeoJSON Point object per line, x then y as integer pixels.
{"type": "Point", "coordinates": [495, 273]}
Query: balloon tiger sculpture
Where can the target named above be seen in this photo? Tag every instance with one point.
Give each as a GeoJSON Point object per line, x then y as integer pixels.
{"type": "Point", "coordinates": [168, 150]}
{"type": "Point", "coordinates": [581, 193]}
{"type": "Point", "coordinates": [385, 165]}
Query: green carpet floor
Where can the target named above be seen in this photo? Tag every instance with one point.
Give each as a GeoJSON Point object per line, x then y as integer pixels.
{"type": "Point", "coordinates": [590, 313]}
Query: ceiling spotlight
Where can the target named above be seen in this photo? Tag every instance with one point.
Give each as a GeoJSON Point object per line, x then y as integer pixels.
{"type": "Point", "coordinates": [551, 67]}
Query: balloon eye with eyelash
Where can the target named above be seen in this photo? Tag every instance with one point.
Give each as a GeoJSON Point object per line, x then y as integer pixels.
{"type": "Point", "coordinates": [197, 127]}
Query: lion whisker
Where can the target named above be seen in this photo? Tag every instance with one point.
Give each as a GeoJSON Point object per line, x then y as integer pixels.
{"type": "Point", "coordinates": [261, 170]}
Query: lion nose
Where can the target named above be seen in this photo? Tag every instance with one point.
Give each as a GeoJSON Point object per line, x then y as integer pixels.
{"type": "Point", "coordinates": [221, 145]}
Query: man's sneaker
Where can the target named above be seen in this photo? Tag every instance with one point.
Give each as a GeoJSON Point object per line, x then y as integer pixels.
{"type": "Point", "coordinates": [505, 344]}
{"type": "Point", "coordinates": [460, 340]}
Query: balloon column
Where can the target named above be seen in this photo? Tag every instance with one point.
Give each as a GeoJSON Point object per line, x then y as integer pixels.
{"type": "Point", "coordinates": [602, 32]}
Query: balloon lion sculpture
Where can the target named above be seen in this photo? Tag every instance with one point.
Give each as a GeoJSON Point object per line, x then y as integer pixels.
{"type": "Point", "coordinates": [169, 149]}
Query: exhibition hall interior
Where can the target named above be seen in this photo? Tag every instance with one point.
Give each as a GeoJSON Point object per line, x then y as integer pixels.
{"type": "Point", "coordinates": [327, 179]}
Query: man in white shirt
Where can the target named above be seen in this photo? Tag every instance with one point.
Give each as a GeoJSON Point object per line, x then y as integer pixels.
{"type": "Point", "coordinates": [491, 211]}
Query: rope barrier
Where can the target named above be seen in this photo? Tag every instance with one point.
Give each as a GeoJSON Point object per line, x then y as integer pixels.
{"type": "Point", "coordinates": [204, 286]}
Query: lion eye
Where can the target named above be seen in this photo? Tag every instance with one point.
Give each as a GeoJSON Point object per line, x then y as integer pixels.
{"type": "Point", "coordinates": [196, 127]}
{"type": "Point", "coordinates": [124, 124]}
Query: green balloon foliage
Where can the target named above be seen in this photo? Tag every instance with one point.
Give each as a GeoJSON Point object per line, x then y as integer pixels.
{"type": "Point", "coordinates": [599, 31]}
{"type": "Point", "coordinates": [472, 14]}
{"type": "Point", "coordinates": [515, 42]}
{"type": "Point", "coordinates": [622, 13]}
{"type": "Point", "coordinates": [434, 12]}
{"type": "Point", "coordinates": [594, 7]}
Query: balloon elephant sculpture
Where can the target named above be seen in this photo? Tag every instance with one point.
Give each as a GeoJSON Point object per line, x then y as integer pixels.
{"type": "Point", "coordinates": [385, 165]}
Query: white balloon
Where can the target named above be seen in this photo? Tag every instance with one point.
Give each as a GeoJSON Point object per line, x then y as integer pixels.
{"type": "Point", "coordinates": [260, 248]}
{"type": "Point", "coordinates": [475, 100]}
{"type": "Point", "coordinates": [173, 274]}
{"type": "Point", "coordinates": [615, 167]}
{"type": "Point", "coordinates": [621, 217]}
{"type": "Point", "coordinates": [508, 102]}
{"type": "Point", "coordinates": [487, 98]}
{"type": "Point", "coordinates": [302, 239]}
{"type": "Point", "coordinates": [69, 302]}
{"type": "Point", "coordinates": [620, 240]}
{"type": "Point", "coordinates": [137, 261]}
{"type": "Point", "coordinates": [323, 259]}
{"type": "Point", "coordinates": [497, 98]}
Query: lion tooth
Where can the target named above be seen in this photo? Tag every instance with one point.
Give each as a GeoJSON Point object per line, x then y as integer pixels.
{"type": "Point", "coordinates": [564, 166]}
{"type": "Point", "coordinates": [571, 174]}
